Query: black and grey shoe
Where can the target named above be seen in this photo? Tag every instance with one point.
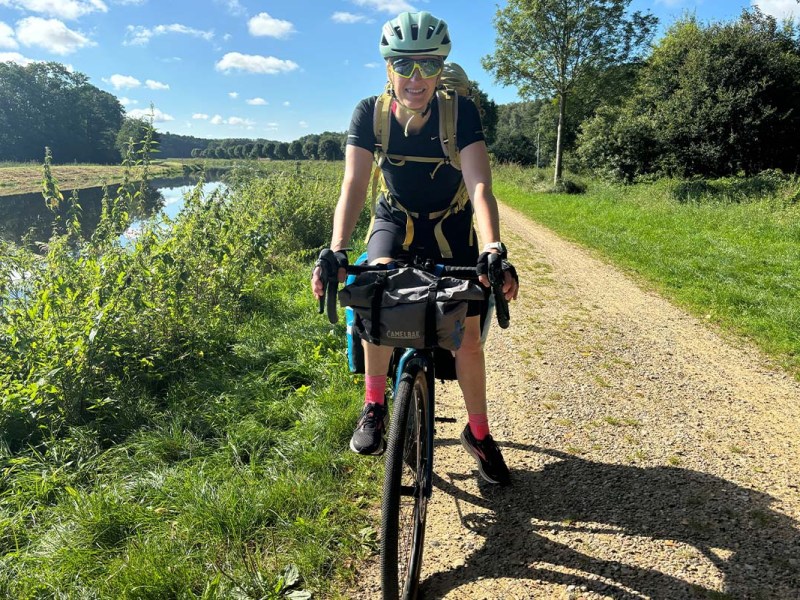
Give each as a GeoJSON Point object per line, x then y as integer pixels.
{"type": "Point", "coordinates": [368, 436]}
{"type": "Point", "coordinates": [490, 461]}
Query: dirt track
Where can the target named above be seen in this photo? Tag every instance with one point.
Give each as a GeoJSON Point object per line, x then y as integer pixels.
{"type": "Point", "coordinates": [651, 456]}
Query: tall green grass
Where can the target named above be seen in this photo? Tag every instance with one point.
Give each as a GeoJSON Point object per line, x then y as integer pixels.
{"type": "Point", "coordinates": [728, 250]}
{"type": "Point", "coordinates": [175, 414]}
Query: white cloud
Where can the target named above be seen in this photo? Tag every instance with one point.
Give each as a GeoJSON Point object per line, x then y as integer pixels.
{"type": "Point", "coordinates": [127, 101]}
{"type": "Point", "coordinates": [123, 81]}
{"type": "Point", "coordinates": [234, 7]}
{"type": "Point", "coordinates": [264, 25]}
{"type": "Point", "coordinates": [235, 121]}
{"type": "Point", "coordinates": [287, 103]}
{"type": "Point", "coordinates": [137, 35]}
{"type": "Point", "coordinates": [15, 57]}
{"type": "Point", "coordinates": [371, 65]}
{"type": "Point", "coordinates": [131, 2]}
{"type": "Point", "coordinates": [233, 95]}
{"type": "Point", "coordinates": [348, 18]}
{"type": "Point", "coordinates": [254, 63]}
{"type": "Point", "coordinates": [145, 113]}
{"type": "Point", "coordinates": [303, 124]}
{"type": "Point", "coordinates": [227, 37]}
{"type": "Point", "coordinates": [388, 6]}
{"type": "Point", "coordinates": [50, 34]}
{"type": "Point", "coordinates": [7, 37]}
{"type": "Point", "coordinates": [238, 121]}
{"type": "Point", "coordinates": [156, 85]}
{"type": "Point", "coordinates": [201, 116]}
{"type": "Point", "coordinates": [780, 9]}
{"type": "Point", "coordinates": [63, 9]}
{"type": "Point", "coordinates": [257, 102]}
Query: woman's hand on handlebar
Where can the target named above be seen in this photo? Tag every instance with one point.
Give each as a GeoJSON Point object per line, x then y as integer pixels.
{"type": "Point", "coordinates": [328, 261]}
{"type": "Point", "coordinates": [510, 279]}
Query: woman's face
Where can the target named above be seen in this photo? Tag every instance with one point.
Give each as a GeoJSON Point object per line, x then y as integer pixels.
{"type": "Point", "coordinates": [415, 92]}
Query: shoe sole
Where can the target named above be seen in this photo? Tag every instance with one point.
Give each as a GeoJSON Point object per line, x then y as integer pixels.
{"type": "Point", "coordinates": [477, 458]}
{"type": "Point", "coordinates": [380, 450]}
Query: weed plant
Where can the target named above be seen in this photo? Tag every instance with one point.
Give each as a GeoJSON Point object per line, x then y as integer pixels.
{"type": "Point", "coordinates": [731, 255]}
{"type": "Point", "coordinates": [175, 414]}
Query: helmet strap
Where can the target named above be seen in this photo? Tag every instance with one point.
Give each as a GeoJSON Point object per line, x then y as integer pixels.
{"type": "Point", "coordinates": [414, 112]}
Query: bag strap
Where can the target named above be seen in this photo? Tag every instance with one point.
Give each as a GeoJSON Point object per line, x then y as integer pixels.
{"type": "Point", "coordinates": [377, 301]}
{"type": "Point", "coordinates": [431, 335]}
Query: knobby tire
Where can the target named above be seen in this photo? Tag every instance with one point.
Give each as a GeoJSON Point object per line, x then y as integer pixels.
{"type": "Point", "coordinates": [403, 515]}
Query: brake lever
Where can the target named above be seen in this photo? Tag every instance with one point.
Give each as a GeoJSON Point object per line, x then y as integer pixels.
{"type": "Point", "coordinates": [496, 281]}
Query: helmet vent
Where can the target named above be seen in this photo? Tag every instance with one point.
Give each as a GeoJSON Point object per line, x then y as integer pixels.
{"type": "Point", "coordinates": [431, 32]}
{"type": "Point", "coordinates": [414, 31]}
{"type": "Point", "coordinates": [398, 32]}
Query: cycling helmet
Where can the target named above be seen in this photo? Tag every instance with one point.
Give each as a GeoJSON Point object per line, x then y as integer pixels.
{"type": "Point", "coordinates": [413, 33]}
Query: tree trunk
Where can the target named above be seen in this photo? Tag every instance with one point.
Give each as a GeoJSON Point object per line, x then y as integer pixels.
{"type": "Point", "coordinates": [559, 146]}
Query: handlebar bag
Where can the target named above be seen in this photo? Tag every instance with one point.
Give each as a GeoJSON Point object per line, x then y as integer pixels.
{"type": "Point", "coordinates": [410, 308]}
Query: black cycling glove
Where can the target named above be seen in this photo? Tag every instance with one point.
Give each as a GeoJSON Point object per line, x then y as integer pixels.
{"type": "Point", "coordinates": [490, 265]}
{"type": "Point", "coordinates": [330, 262]}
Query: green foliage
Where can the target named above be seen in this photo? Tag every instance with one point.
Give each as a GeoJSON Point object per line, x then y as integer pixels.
{"type": "Point", "coordinates": [175, 413]}
{"type": "Point", "coordinates": [46, 104]}
{"type": "Point", "coordinates": [712, 100]}
{"type": "Point", "coordinates": [545, 46]}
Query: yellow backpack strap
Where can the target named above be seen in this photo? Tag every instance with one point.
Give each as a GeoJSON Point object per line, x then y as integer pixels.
{"type": "Point", "coordinates": [448, 120]}
{"type": "Point", "coordinates": [458, 203]}
{"type": "Point", "coordinates": [382, 124]}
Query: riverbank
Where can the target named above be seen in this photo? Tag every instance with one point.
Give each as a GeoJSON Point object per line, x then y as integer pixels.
{"type": "Point", "coordinates": [25, 178]}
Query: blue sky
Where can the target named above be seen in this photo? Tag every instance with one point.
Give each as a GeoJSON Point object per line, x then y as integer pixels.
{"type": "Point", "coordinates": [275, 69]}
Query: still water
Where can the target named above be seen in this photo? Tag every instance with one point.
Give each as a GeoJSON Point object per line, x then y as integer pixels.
{"type": "Point", "coordinates": [27, 215]}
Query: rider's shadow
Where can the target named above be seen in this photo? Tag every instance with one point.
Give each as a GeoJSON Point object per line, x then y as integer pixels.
{"type": "Point", "coordinates": [744, 542]}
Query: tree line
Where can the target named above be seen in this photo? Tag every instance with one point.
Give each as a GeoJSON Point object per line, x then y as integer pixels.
{"type": "Point", "coordinates": [708, 99]}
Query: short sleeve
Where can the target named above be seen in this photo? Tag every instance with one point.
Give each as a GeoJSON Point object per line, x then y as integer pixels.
{"type": "Point", "coordinates": [469, 128]}
{"type": "Point", "coordinates": [361, 132]}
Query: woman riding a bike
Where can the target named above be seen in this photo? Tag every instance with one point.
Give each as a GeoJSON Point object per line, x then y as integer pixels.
{"type": "Point", "coordinates": [417, 213]}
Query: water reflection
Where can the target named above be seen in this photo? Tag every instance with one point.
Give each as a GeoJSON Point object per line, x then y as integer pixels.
{"type": "Point", "coordinates": [24, 215]}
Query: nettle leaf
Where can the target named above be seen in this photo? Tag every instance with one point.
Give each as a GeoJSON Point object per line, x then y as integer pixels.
{"type": "Point", "coordinates": [299, 595]}
{"type": "Point", "coordinates": [291, 575]}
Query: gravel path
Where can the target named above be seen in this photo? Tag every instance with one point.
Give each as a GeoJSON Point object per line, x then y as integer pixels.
{"type": "Point", "coordinates": [652, 456]}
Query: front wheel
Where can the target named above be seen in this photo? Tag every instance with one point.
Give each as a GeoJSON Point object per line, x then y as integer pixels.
{"type": "Point", "coordinates": [404, 500]}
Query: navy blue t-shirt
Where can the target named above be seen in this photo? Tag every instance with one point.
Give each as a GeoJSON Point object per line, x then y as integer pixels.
{"type": "Point", "coordinates": [411, 184]}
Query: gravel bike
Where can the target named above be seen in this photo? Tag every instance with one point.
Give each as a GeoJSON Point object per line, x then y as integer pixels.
{"type": "Point", "coordinates": [407, 484]}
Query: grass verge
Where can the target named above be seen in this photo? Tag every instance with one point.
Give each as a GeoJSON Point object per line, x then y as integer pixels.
{"type": "Point", "coordinates": [242, 478]}
{"type": "Point", "coordinates": [733, 259]}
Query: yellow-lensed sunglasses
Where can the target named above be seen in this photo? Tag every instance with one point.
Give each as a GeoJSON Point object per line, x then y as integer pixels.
{"type": "Point", "coordinates": [428, 67]}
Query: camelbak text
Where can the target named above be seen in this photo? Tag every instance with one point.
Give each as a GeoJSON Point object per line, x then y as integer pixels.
{"type": "Point", "coordinates": [403, 335]}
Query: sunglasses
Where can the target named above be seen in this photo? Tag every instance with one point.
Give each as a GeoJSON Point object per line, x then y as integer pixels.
{"type": "Point", "coordinates": [428, 67]}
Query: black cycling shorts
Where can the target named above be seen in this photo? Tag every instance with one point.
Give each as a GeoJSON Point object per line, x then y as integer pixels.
{"type": "Point", "coordinates": [389, 231]}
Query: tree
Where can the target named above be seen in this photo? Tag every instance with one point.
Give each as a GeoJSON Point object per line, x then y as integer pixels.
{"type": "Point", "coordinates": [282, 151]}
{"type": "Point", "coordinates": [311, 150]}
{"type": "Point", "coordinates": [712, 100]}
{"type": "Point", "coordinates": [328, 149]}
{"type": "Point", "coordinates": [296, 150]}
{"type": "Point", "coordinates": [269, 150]}
{"type": "Point", "coordinates": [134, 130]}
{"type": "Point", "coordinates": [545, 46]}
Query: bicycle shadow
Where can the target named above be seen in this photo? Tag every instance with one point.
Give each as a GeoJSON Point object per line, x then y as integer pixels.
{"type": "Point", "coordinates": [752, 547]}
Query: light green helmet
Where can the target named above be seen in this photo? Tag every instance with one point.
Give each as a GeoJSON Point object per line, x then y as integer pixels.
{"type": "Point", "coordinates": [412, 33]}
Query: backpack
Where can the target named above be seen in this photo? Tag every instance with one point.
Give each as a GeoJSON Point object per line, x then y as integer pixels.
{"type": "Point", "coordinates": [454, 82]}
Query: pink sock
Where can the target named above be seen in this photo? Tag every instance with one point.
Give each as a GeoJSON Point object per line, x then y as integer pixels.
{"type": "Point", "coordinates": [376, 386]}
{"type": "Point", "coordinates": [479, 426]}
